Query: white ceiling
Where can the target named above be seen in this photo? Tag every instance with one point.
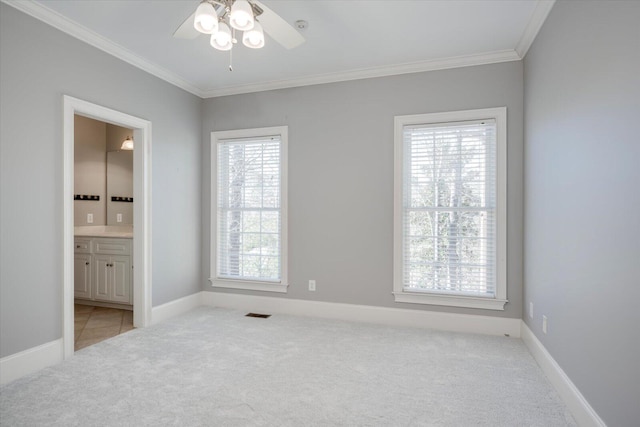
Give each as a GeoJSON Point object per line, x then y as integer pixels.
{"type": "Point", "coordinates": [345, 39]}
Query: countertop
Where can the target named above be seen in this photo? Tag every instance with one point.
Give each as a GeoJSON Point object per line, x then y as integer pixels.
{"type": "Point", "coordinates": [117, 231]}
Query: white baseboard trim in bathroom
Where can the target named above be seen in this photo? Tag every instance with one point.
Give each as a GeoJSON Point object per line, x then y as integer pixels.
{"type": "Point", "coordinates": [29, 361]}
{"type": "Point", "coordinates": [582, 412]}
{"type": "Point", "coordinates": [364, 313]}
{"type": "Point", "coordinates": [175, 307]}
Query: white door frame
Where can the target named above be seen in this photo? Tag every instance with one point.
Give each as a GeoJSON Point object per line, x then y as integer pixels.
{"type": "Point", "coordinates": [141, 211]}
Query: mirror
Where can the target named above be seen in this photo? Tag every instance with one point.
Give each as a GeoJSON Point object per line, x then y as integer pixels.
{"type": "Point", "coordinates": [119, 187]}
{"type": "Point", "coordinates": [102, 171]}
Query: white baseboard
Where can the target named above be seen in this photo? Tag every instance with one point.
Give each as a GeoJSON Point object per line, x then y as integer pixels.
{"type": "Point", "coordinates": [582, 412]}
{"type": "Point", "coordinates": [34, 359]}
{"type": "Point", "coordinates": [29, 361]}
{"type": "Point", "coordinates": [175, 307]}
{"type": "Point", "coordinates": [369, 314]}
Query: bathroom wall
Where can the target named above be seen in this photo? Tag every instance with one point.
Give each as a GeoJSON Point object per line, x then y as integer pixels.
{"type": "Point", "coordinates": [115, 136]}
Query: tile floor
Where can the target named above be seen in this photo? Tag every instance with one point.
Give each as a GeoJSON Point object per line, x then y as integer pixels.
{"type": "Point", "coordinates": [95, 324]}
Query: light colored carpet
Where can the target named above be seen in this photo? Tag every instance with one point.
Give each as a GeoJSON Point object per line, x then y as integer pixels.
{"type": "Point", "coordinates": [216, 367]}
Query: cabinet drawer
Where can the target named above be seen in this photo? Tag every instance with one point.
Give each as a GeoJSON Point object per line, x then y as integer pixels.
{"type": "Point", "coordinates": [82, 246]}
{"type": "Point", "coordinates": [112, 246]}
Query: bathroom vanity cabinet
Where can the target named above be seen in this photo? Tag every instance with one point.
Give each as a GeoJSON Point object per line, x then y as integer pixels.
{"type": "Point", "coordinates": [103, 269]}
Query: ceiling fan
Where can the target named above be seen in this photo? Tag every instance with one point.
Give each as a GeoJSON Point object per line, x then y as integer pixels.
{"type": "Point", "coordinates": [222, 18]}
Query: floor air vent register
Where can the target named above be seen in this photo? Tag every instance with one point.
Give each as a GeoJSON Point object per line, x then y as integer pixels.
{"type": "Point", "coordinates": [261, 316]}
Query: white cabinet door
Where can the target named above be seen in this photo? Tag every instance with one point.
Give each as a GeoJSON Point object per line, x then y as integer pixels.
{"type": "Point", "coordinates": [82, 276]}
{"type": "Point", "coordinates": [102, 277]}
{"type": "Point", "coordinates": [102, 270]}
{"type": "Point", "coordinates": [120, 285]}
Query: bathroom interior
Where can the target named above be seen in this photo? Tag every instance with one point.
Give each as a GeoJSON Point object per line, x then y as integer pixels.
{"type": "Point", "coordinates": [103, 231]}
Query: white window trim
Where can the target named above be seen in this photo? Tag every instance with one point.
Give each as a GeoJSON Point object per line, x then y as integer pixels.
{"type": "Point", "coordinates": [400, 294]}
{"type": "Point", "coordinates": [251, 285]}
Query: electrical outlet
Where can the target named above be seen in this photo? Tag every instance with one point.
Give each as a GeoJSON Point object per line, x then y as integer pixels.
{"type": "Point", "coordinates": [89, 218]}
{"type": "Point", "coordinates": [544, 324]}
{"type": "Point", "coordinates": [530, 310]}
{"type": "Point", "coordinates": [312, 285]}
{"type": "Point", "coordinates": [119, 217]}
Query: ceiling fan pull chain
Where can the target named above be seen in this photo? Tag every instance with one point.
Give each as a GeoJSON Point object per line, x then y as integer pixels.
{"type": "Point", "coordinates": [233, 41]}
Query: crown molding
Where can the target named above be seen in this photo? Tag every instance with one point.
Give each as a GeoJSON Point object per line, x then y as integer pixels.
{"type": "Point", "coordinates": [540, 13]}
{"type": "Point", "coordinates": [66, 25]}
{"type": "Point", "coordinates": [367, 73]}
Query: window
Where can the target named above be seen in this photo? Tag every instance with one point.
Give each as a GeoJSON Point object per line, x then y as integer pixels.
{"type": "Point", "coordinates": [450, 209]}
{"type": "Point", "coordinates": [249, 209]}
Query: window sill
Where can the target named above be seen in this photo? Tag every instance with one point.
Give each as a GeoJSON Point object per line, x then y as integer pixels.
{"type": "Point", "coordinates": [249, 285]}
{"type": "Point", "coordinates": [450, 300]}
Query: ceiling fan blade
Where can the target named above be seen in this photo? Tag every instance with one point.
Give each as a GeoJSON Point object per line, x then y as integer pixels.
{"type": "Point", "coordinates": [186, 29]}
{"type": "Point", "coordinates": [279, 29]}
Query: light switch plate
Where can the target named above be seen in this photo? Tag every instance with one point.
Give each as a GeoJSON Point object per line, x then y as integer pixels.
{"type": "Point", "coordinates": [89, 218]}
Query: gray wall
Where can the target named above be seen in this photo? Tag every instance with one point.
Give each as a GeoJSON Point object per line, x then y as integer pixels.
{"type": "Point", "coordinates": [39, 65]}
{"type": "Point", "coordinates": [582, 215]}
{"type": "Point", "coordinates": [341, 173]}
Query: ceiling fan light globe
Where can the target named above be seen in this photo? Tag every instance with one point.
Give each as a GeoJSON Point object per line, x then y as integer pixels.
{"type": "Point", "coordinates": [206, 20]}
{"type": "Point", "coordinates": [241, 17]}
{"type": "Point", "coordinates": [254, 38]}
{"type": "Point", "coordinates": [222, 39]}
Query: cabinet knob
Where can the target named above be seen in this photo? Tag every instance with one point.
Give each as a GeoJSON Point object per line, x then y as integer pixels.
{"type": "Point", "coordinates": [86, 263]}
{"type": "Point", "coordinates": [77, 246]}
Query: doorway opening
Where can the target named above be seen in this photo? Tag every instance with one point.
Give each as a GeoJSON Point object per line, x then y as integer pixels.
{"type": "Point", "coordinates": [140, 248]}
{"type": "Point", "coordinates": [103, 231]}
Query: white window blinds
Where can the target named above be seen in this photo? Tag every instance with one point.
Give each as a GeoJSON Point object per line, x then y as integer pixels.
{"type": "Point", "coordinates": [249, 209]}
{"type": "Point", "coordinates": [449, 208]}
